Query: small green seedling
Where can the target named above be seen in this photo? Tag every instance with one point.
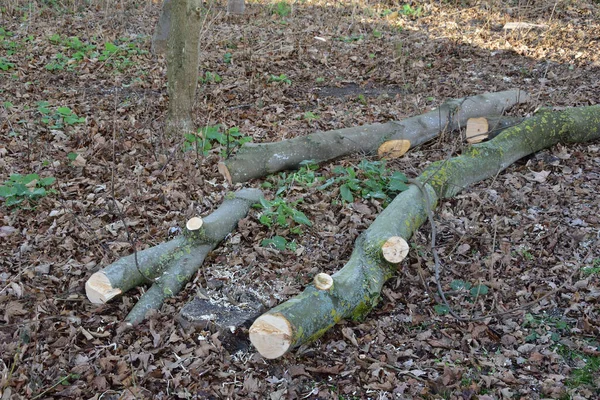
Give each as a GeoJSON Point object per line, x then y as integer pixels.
{"type": "Point", "coordinates": [25, 188]}
{"type": "Point", "coordinates": [59, 118]}
{"type": "Point", "coordinates": [371, 179]}
{"type": "Point", "coordinates": [5, 65]}
{"type": "Point", "coordinates": [210, 137]}
{"type": "Point", "coordinates": [280, 243]}
{"type": "Point", "coordinates": [279, 212]}
{"type": "Point", "coordinates": [309, 116]}
{"type": "Point", "coordinates": [594, 269]}
{"type": "Point", "coordinates": [281, 8]}
{"type": "Point", "coordinates": [210, 77]}
{"type": "Point", "coordinates": [281, 78]}
{"type": "Point", "coordinates": [227, 57]}
{"type": "Point", "coordinates": [320, 79]}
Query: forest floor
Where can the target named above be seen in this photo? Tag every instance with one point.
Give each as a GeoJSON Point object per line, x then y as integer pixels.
{"type": "Point", "coordinates": [83, 100]}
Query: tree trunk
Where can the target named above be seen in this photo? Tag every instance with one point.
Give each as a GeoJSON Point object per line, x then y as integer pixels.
{"type": "Point", "coordinates": [172, 264]}
{"type": "Point", "coordinates": [356, 288]}
{"type": "Point", "coordinates": [162, 29]}
{"type": "Point", "coordinates": [182, 64]}
{"type": "Point", "coordinates": [257, 160]}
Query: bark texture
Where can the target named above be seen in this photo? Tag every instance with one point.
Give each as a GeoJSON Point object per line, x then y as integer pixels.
{"type": "Point", "coordinates": [162, 29]}
{"type": "Point", "coordinates": [357, 286]}
{"type": "Point", "coordinates": [182, 63]}
{"type": "Point", "coordinates": [172, 264]}
{"type": "Point", "coordinates": [256, 160]}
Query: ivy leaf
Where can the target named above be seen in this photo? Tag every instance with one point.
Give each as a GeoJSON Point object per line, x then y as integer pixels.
{"type": "Point", "coordinates": [479, 290]}
{"type": "Point", "coordinates": [346, 193]}
{"type": "Point", "coordinates": [441, 309]}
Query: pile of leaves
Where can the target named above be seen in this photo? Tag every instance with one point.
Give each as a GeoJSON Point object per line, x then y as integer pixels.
{"type": "Point", "coordinates": [87, 175]}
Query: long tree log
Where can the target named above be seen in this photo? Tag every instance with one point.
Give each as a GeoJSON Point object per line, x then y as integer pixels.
{"type": "Point", "coordinates": [357, 286]}
{"type": "Point", "coordinates": [256, 160]}
{"type": "Point", "coordinates": [172, 264]}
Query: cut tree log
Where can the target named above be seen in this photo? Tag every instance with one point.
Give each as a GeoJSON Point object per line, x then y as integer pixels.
{"type": "Point", "coordinates": [479, 129]}
{"type": "Point", "coordinates": [172, 264]}
{"type": "Point", "coordinates": [357, 286]}
{"type": "Point", "coordinates": [257, 160]}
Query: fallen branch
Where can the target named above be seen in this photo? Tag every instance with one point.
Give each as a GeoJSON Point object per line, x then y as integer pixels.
{"type": "Point", "coordinates": [257, 160]}
{"type": "Point", "coordinates": [172, 264]}
{"type": "Point", "coordinates": [356, 288]}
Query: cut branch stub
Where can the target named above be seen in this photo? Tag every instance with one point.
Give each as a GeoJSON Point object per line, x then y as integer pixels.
{"type": "Point", "coordinates": [99, 290]}
{"type": "Point", "coordinates": [395, 249]}
{"type": "Point", "coordinates": [393, 149]}
{"type": "Point", "coordinates": [194, 224]}
{"type": "Point", "coordinates": [271, 334]}
{"type": "Point", "coordinates": [477, 130]}
{"type": "Point", "coordinates": [323, 281]}
{"type": "Point", "coordinates": [223, 170]}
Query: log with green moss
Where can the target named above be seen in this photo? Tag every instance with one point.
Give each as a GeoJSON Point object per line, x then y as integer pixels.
{"type": "Point", "coordinates": [356, 288]}
{"type": "Point", "coordinates": [169, 266]}
{"type": "Point", "coordinates": [257, 160]}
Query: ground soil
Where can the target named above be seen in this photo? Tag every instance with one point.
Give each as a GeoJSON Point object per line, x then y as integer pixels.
{"type": "Point", "coordinates": [532, 231]}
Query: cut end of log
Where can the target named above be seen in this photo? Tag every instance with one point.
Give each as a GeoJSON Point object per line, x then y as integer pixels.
{"type": "Point", "coordinates": [393, 149]}
{"type": "Point", "coordinates": [99, 290]}
{"type": "Point", "coordinates": [271, 334]}
{"type": "Point", "coordinates": [223, 170]}
{"type": "Point", "coordinates": [477, 130]}
{"type": "Point", "coordinates": [323, 281]}
{"type": "Point", "coordinates": [395, 249]}
{"type": "Point", "coordinates": [194, 224]}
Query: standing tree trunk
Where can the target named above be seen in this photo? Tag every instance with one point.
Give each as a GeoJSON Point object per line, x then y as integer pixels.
{"type": "Point", "coordinates": [161, 32]}
{"type": "Point", "coordinates": [182, 63]}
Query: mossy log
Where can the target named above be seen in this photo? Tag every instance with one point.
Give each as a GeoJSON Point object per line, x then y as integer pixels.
{"type": "Point", "coordinates": [357, 286]}
{"type": "Point", "coordinates": [172, 264]}
{"type": "Point", "coordinates": [257, 160]}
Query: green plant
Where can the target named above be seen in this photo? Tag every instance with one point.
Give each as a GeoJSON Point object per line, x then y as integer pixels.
{"type": "Point", "coordinates": [594, 269]}
{"type": "Point", "coordinates": [280, 243]}
{"type": "Point", "coordinates": [5, 65]}
{"type": "Point", "coordinates": [60, 117]}
{"type": "Point", "coordinates": [19, 188]}
{"type": "Point", "coordinates": [309, 116]}
{"type": "Point", "coordinates": [371, 179]}
{"type": "Point", "coordinates": [281, 78]}
{"type": "Point", "coordinates": [410, 11]}
{"type": "Point", "coordinates": [210, 137]}
{"type": "Point", "coordinates": [587, 374]}
{"type": "Point", "coordinates": [281, 8]}
{"type": "Point", "coordinates": [306, 175]}
{"type": "Point", "coordinates": [58, 63]}
{"type": "Point", "coordinates": [377, 34]}
{"type": "Point", "coordinates": [210, 77]}
{"type": "Point", "coordinates": [362, 99]}
{"type": "Point", "coordinates": [279, 212]}
{"type": "Point", "coordinates": [320, 79]}
{"type": "Point", "coordinates": [227, 57]}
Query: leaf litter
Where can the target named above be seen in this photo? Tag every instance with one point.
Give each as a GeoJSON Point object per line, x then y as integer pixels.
{"type": "Point", "coordinates": [530, 232]}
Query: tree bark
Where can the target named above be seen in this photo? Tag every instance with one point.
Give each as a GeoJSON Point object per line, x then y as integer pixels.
{"type": "Point", "coordinates": [162, 29]}
{"type": "Point", "coordinates": [182, 64]}
{"type": "Point", "coordinates": [357, 286]}
{"type": "Point", "coordinates": [172, 264]}
{"type": "Point", "coordinates": [256, 160]}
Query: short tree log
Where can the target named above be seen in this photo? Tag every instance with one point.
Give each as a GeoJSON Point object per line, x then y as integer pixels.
{"type": "Point", "coordinates": [394, 250]}
{"type": "Point", "coordinates": [172, 264]}
{"type": "Point", "coordinates": [357, 286]}
{"type": "Point", "coordinates": [257, 160]}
